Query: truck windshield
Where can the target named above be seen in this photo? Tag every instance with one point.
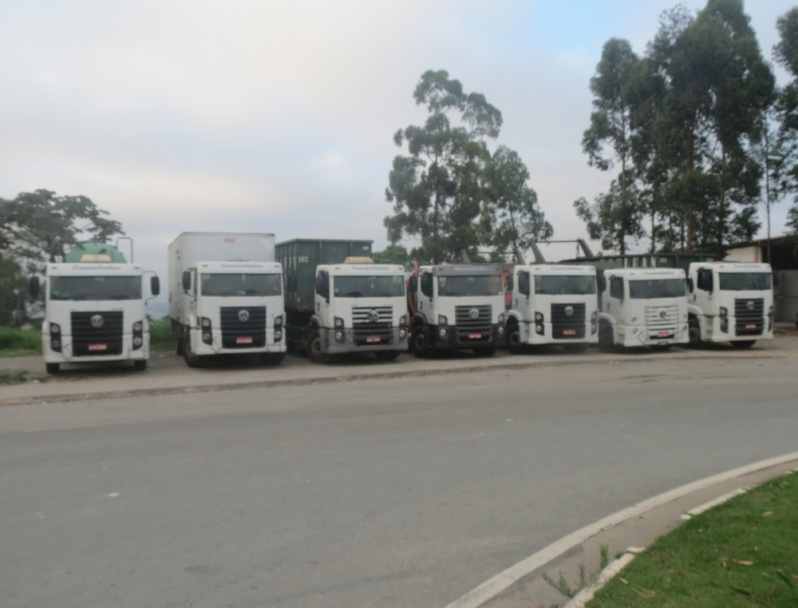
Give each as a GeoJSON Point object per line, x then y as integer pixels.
{"type": "Point", "coordinates": [564, 285]}
{"type": "Point", "coordinates": [95, 288]}
{"type": "Point", "coordinates": [369, 286]}
{"type": "Point", "coordinates": [657, 288]}
{"type": "Point", "coordinates": [232, 285]}
{"type": "Point", "coordinates": [481, 285]}
{"type": "Point", "coordinates": [745, 281]}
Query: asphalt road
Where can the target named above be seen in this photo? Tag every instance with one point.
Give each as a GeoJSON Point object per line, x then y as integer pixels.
{"type": "Point", "coordinates": [387, 492]}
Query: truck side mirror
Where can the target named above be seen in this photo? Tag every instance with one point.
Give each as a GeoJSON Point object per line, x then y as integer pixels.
{"type": "Point", "coordinates": [155, 286]}
{"type": "Point", "coordinates": [186, 280]}
{"type": "Point", "coordinates": [34, 287]}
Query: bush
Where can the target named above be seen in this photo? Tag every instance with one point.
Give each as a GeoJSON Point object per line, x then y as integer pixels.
{"type": "Point", "coordinates": [16, 342]}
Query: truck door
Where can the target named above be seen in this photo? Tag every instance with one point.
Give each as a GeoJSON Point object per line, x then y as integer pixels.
{"type": "Point", "coordinates": [323, 304]}
{"type": "Point", "coordinates": [425, 297]}
{"type": "Point", "coordinates": [703, 294]}
{"type": "Point", "coordinates": [613, 305]}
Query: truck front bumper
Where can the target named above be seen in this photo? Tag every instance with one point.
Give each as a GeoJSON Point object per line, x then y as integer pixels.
{"type": "Point", "coordinates": [339, 341]}
{"type": "Point", "coordinates": [448, 337]}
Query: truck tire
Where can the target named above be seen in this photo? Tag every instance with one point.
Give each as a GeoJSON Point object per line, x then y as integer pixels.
{"type": "Point", "coordinates": [418, 342]}
{"type": "Point", "coordinates": [272, 358]}
{"type": "Point", "coordinates": [140, 365]}
{"type": "Point", "coordinates": [743, 343]}
{"type": "Point", "coordinates": [52, 368]}
{"type": "Point", "coordinates": [388, 355]}
{"type": "Point", "coordinates": [315, 350]}
{"type": "Point", "coordinates": [484, 351]}
{"type": "Point", "coordinates": [694, 331]}
{"type": "Point", "coordinates": [514, 344]}
{"type": "Point", "coordinates": [606, 341]}
{"type": "Point", "coordinates": [190, 358]}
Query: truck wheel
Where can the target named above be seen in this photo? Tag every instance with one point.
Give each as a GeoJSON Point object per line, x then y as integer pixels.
{"type": "Point", "coordinates": [272, 358]}
{"type": "Point", "coordinates": [52, 368]}
{"type": "Point", "coordinates": [140, 365]}
{"type": "Point", "coordinates": [418, 342]}
{"type": "Point", "coordinates": [743, 343]}
{"type": "Point", "coordinates": [315, 351]}
{"type": "Point", "coordinates": [574, 349]}
{"type": "Point", "coordinates": [606, 341]}
{"type": "Point", "coordinates": [694, 331]}
{"type": "Point", "coordinates": [191, 359]}
{"type": "Point", "coordinates": [514, 344]}
{"type": "Point", "coordinates": [388, 355]}
{"type": "Point", "coordinates": [484, 351]}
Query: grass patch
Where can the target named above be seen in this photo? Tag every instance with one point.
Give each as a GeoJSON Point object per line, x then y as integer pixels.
{"type": "Point", "coordinates": [20, 342]}
{"type": "Point", "coordinates": [13, 377]}
{"type": "Point", "coordinates": [161, 336]}
{"type": "Point", "coordinates": [740, 554]}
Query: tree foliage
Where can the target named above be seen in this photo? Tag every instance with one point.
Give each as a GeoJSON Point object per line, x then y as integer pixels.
{"type": "Point", "coordinates": [438, 188]}
{"type": "Point", "coordinates": [682, 124]}
{"type": "Point", "coordinates": [33, 227]}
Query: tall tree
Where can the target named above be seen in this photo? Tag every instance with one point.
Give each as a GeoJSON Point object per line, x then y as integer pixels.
{"type": "Point", "coordinates": [785, 160]}
{"type": "Point", "coordinates": [435, 188]}
{"type": "Point", "coordinates": [511, 218]}
{"type": "Point", "coordinates": [608, 144]}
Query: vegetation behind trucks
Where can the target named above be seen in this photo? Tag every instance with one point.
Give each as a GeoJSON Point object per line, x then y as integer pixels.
{"type": "Point", "coordinates": [456, 306]}
{"type": "Point", "coordinates": [338, 301]}
{"type": "Point", "coordinates": [226, 296]}
{"type": "Point", "coordinates": [552, 304]}
{"type": "Point", "coordinates": [94, 308]}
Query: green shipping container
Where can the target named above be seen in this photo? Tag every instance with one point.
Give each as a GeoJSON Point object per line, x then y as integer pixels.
{"type": "Point", "coordinates": [300, 258]}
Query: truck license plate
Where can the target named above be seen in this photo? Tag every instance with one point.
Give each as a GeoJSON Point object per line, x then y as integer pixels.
{"type": "Point", "coordinates": [98, 347]}
{"type": "Point", "coordinates": [664, 334]}
{"type": "Point", "coordinates": [244, 340]}
{"type": "Point", "coordinates": [568, 332]}
{"type": "Point", "coordinates": [750, 325]}
{"type": "Point", "coordinates": [474, 336]}
{"type": "Point", "coordinates": [372, 339]}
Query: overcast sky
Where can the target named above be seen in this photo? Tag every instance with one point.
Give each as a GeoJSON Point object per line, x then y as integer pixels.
{"type": "Point", "coordinates": [277, 116]}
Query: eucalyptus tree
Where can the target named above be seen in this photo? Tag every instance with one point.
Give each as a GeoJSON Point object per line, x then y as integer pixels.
{"type": "Point", "coordinates": [608, 142]}
{"type": "Point", "coordinates": [785, 159]}
{"type": "Point", "coordinates": [511, 218]}
{"type": "Point", "coordinates": [435, 187]}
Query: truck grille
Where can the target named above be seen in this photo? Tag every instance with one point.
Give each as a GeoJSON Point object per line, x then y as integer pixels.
{"type": "Point", "coordinates": [474, 323]}
{"type": "Point", "coordinates": [749, 316]}
{"type": "Point", "coordinates": [568, 321]}
{"type": "Point", "coordinates": [662, 321]}
{"type": "Point", "coordinates": [97, 333]}
{"type": "Point", "coordinates": [372, 325]}
{"type": "Point", "coordinates": [243, 326]}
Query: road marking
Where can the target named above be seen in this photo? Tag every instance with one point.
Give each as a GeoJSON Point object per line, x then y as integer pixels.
{"type": "Point", "coordinates": [499, 583]}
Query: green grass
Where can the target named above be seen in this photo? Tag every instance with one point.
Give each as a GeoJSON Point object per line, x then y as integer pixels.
{"type": "Point", "coordinates": [161, 337]}
{"type": "Point", "coordinates": [741, 554]}
{"type": "Point", "coordinates": [20, 342]}
{"type": "Point", "coordinates": [13, 377]}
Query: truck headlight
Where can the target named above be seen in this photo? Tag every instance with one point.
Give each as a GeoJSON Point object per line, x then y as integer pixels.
{"type": "Point", "coordinates": [339, 336]}
{"type": "Point", "coordinates": [724, 312]}
{"type": "Point", "coordinates": [205, 322]}
{"type": "Point", "coordinates": [55, 328]}
{"type": "Point", "coordinates": [207, 334]}
{"type": "Point", "coordinates": [402, 320]}
{"type": "Point", "coordinates": [137, 342]}
{"type": "Point", "coordinates": [339, 323]}
{"type": "Point", "coordinates": [442, 320]}
{"type": "Point", "coordinates": [278, 321]}
{"type": "Point", "coordinates": [501, 318]}
{"type": "Point", "coordinates": [538, 317]}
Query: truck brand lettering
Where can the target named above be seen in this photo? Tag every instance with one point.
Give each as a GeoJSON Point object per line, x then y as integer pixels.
{"type": "Point", "coordinates": [243, 265]}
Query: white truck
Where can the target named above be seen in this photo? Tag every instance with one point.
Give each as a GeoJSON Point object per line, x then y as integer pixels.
{"type": "Point", "coordinates": [226, 296]}
{"type": "Point", "coordinates": [730, 302]}
{"type": "Point", "coordinates": [339, 301]}
{"type": "Point", "coordinates": [456, 306]}
{"type": "Point", "coordinates": [642, 307]}
{"type": "Point", "coordinates": [552, 304]}
{"type": "Point", "coordinates": [94, 308]}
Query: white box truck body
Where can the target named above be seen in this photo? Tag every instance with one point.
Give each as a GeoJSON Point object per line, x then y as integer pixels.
{"type": "Point", "coordinates": [226, 296]}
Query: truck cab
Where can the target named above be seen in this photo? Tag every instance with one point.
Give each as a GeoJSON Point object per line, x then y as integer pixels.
{"type": "Point", "coordinates": [642, 307]}
{"type": "Point", "coordinates": [552, 304]}
{"type": "Point", "coordinates": [95, 312]}
{"type": "Point", "coordinates": [232, 307]}
{"type": "Point", "coordinates": [457, 306]}
{"type": "Point", "coordinates": [359, 307]}
{"type": "Point", "coordinates": [730, 302]}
